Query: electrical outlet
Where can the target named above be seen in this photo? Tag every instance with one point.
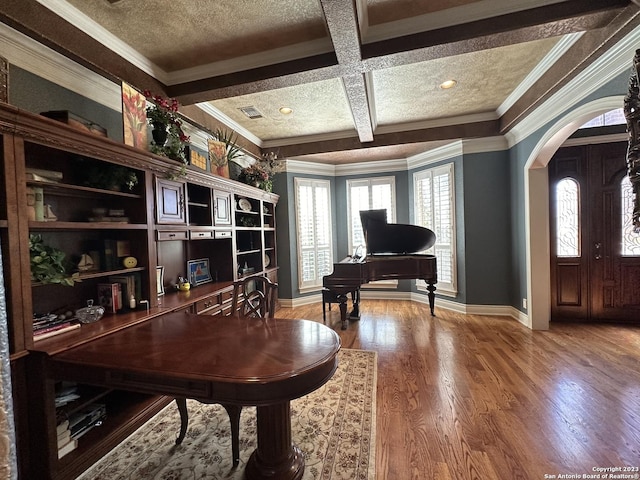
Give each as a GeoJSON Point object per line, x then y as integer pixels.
{"type": "Point", "coordinates": [524, 303]}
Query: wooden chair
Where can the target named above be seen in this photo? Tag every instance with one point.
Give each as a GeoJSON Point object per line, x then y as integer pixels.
{"type": "Point", "coordinates": [255, 297]}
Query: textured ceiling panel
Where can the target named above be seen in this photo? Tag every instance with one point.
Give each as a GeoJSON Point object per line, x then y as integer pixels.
{"type": "Point", "coordinates": [174, 35]}
{"type": "Point", "coordinates": [382, 11]}
{"type": "Point", "coordinates": [485, 79]}
{"type": "Point", "coordinates": [318, 108]}
{"type": "Point", "coordinates": [396, 152]}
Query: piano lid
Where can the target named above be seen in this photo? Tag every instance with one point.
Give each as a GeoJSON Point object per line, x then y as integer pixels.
{"type": "Point", "coordinates": [393, 238]}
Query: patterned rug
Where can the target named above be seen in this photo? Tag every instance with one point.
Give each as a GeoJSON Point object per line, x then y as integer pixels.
{"type": "Point", "coordinates": [335, 427]}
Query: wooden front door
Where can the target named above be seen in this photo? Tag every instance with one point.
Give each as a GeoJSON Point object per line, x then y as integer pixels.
{"type": "Point", "coordinates": [595, 262]}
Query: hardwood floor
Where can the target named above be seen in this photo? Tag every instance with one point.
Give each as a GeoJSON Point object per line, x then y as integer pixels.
{"type": "Point", "coordinates": [480, 397]}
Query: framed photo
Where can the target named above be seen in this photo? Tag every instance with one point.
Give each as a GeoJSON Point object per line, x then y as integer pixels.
{"type": "Point", "coordinates": [198, 271]}
{"type": "Point", "coordinates": [160, 280]}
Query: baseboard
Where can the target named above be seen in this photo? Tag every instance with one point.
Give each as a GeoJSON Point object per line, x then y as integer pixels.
{"type": "Point", "coordinates": [493, 310]}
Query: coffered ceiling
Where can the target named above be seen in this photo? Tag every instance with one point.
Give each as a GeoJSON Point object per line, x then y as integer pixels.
{"type": "Point", "coordinates": [362, 77]}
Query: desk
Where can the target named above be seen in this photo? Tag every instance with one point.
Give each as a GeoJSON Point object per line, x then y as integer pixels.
{"type": "Point", "coordinates": [219, 359]}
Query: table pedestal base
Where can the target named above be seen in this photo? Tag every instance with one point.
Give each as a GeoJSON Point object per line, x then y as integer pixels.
{"type": "Point", "coordinates": [276, 457]}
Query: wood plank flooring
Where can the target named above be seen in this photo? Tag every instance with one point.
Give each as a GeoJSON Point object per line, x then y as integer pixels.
{"type": "Point", "coordinates": [481, 397]}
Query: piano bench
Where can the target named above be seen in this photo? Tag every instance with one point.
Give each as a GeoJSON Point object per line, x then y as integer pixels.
{"type": "Point", "coordinates": [328, 297]}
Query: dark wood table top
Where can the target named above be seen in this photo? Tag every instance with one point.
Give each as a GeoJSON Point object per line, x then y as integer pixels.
{"type": "Point", "coordinates": [224, 359]}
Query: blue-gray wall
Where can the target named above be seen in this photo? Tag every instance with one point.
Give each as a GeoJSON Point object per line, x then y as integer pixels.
{"type": "Point", "coordinates": [490, 203]}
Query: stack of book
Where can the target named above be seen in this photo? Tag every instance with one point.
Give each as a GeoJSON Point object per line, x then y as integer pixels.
{"type": "Point", "coordinates": [66, 444]}
{"type": "Point", "coordinates": [50, 324]}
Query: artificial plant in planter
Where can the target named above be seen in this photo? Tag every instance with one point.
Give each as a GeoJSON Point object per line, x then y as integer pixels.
{"type": "Point", "coordinates": [169, 140]}
{"type": "Point", "coordinates": [222, 150]}
{"type": "Point", "coordinates": [48, 264]}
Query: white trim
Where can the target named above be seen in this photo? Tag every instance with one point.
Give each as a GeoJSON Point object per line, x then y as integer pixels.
{"type": "Point", "coordinates": [378, 166]}
{"type": "Point", "coordinates": [536, 197]}
{"type": "Point", "coordinates": [29, 55]}
{"type": "Point", "coordinates": [96, 31]}
{"type": "Point", "coordinates": [452, 16]}
{"type": "Point", "coordinates": [236, 127]}
{"type": "Point", "coordinates": [438, 122]}
{"type": "Point", "coordinates": [550, 59]}
{"type": "Point", "coordinates": [311, 168]}
{"type": "Point", "coordinates": [613, 62]}
{"type": "Point", "coordinates": [614, 137]}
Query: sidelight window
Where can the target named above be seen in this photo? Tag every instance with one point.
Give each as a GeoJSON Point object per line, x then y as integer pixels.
{"type": "Point", "coordinates": [567, 218]}
{"type": "Point", "coordinates": [630, 238]}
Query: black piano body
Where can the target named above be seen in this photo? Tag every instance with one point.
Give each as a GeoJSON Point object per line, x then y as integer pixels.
{"type": "Point", "coordinates": [388, 258]}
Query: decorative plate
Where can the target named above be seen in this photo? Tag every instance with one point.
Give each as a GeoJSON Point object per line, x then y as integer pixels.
{"type": "Point", "coordinates": [267, 260]}
{"type": "Point", "coordinates": [244, 204]}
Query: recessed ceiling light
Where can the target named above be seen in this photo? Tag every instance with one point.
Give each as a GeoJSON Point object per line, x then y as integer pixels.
{"type": "Point", "coordinates": [286, 110]}
{"type": "Point", "coordinates": [448, 84]}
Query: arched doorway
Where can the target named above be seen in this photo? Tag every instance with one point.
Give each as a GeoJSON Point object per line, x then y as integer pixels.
{"type": "Point", "coordinates": [536, 184]}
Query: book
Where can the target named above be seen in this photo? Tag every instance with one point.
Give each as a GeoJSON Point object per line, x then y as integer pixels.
{"type": "Point", "coordinates": [42, 173]}
{"type": "Point", "coordinates": [108, 296]}
{"type": "Point", "coordinates": [62, 426]}
{"type": "Point", "coordinates": [127, 286]}
{"type": "Point", "coordinates": [109, 257]}
{"type": "Point", "coordinates": [68, 447]}
{"type": "Point", "coordinates": [38, 203]}
{"type": "Point", "coordinates": [64, 438]}
{"type": "Point", "coordinates": [73, 326]}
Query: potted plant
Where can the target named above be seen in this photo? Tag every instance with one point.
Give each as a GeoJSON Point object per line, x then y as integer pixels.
{"type": "Point", "coordinates": [223, 149]}
{"type": "Point", "coordinates": [169, 139]}
{"type": "Point", "coordinates": [48, 264]}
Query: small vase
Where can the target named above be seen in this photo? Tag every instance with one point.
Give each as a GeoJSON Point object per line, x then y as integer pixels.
{"type": "Point", "coordinates": [159, 133]}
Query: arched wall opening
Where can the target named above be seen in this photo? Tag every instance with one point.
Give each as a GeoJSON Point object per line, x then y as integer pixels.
{"type": "Point", "coordinates": [536, 185]}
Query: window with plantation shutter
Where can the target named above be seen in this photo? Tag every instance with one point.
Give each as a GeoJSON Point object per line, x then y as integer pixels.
{"type": "Point", "coordinates": [369, 194]}
{"type": "Point", "coordinates": [313, 226]}
{"type": "Point", "coordinates": [435, 209]}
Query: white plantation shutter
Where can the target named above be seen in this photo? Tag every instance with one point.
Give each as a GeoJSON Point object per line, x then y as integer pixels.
{"type": "Point", "coordinates": [435, 209]}
{"type": "Point", "coordinates": [368, 194]}
{"type": "Point", "coordinates": [313, 226]}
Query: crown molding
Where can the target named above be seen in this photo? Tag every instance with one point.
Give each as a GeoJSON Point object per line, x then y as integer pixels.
{"type": "Point", "coordinates": [369, 168]}
{"type": "Point", "coordinates": [462, 14]}
{"type": "Point", "coordinates": [445, 152]}
{"type": "Point", "coordinates": [558, 50]}
{"type": "Point", "coordinates": [221, 117]}
{"type": "Point", "coordinates": [79, 20]}
{"type": "Point", "coordinates": [611, 138]}
{"type": "Point", "coordinates": [292, 165]}
{"type": "Point", "coordinates": [29, 55]}
{"type": "Point", "coordinates": [615, 61]}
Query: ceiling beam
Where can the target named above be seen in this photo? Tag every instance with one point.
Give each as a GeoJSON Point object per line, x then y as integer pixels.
{"type": "Point", "coordinates": [342, 23]}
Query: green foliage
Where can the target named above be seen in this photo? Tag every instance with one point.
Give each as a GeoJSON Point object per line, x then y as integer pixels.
{"type": "Point", "coordinates": [48, 264]}
{"type": "Point", "coordinates": [229, 138]}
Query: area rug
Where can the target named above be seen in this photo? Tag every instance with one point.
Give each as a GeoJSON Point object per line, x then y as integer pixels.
{"type": "Point", "coordinates": [334, 426]}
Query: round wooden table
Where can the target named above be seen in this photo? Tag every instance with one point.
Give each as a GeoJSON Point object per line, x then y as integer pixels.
{"type": "Point", "coordinates": [219, 359]}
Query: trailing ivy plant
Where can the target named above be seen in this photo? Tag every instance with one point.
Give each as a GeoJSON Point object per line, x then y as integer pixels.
{"type": "Point", "coordinates": [48, 264]}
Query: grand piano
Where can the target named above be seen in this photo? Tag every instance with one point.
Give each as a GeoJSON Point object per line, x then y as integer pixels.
{"type": "Point", "coordinates": [390, 255]}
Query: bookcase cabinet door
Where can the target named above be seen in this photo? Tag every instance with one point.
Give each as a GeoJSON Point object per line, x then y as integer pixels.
{"type": "Point", "coordinates": [221, 208]}
{"type": "Point", "coordinates": [170, 205]}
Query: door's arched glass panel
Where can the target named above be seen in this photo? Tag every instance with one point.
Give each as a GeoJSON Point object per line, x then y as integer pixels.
{"type": "Point", "coordinates": [567, 218]}
{"type": "Point", "coordinates": [630, 239]}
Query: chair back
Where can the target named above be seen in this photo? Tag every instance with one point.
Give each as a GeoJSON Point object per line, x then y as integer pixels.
{"type": "Point", "coordinates": [254, 296]}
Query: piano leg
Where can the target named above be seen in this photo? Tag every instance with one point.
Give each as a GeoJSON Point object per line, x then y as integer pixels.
{"type": "Point", "coordinates": [355, 302]}
{"type": "Point", "coordinates": [431, 288]}
{"type": "Point", "coordinates": [342, 301]}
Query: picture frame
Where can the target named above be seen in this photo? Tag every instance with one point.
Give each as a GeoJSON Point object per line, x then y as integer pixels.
{"type": "Point", "coordinates": [198, 271]}
{"type": "Point", "coordinates": [134, 117]}
{"type": "Point", "coordinates": [160, 280]}
{"type": "Point", "coordinates": [197, 158]}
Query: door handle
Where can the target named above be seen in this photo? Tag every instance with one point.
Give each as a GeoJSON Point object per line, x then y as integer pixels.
{"type": "Point", "coordinates": [597, 246]}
